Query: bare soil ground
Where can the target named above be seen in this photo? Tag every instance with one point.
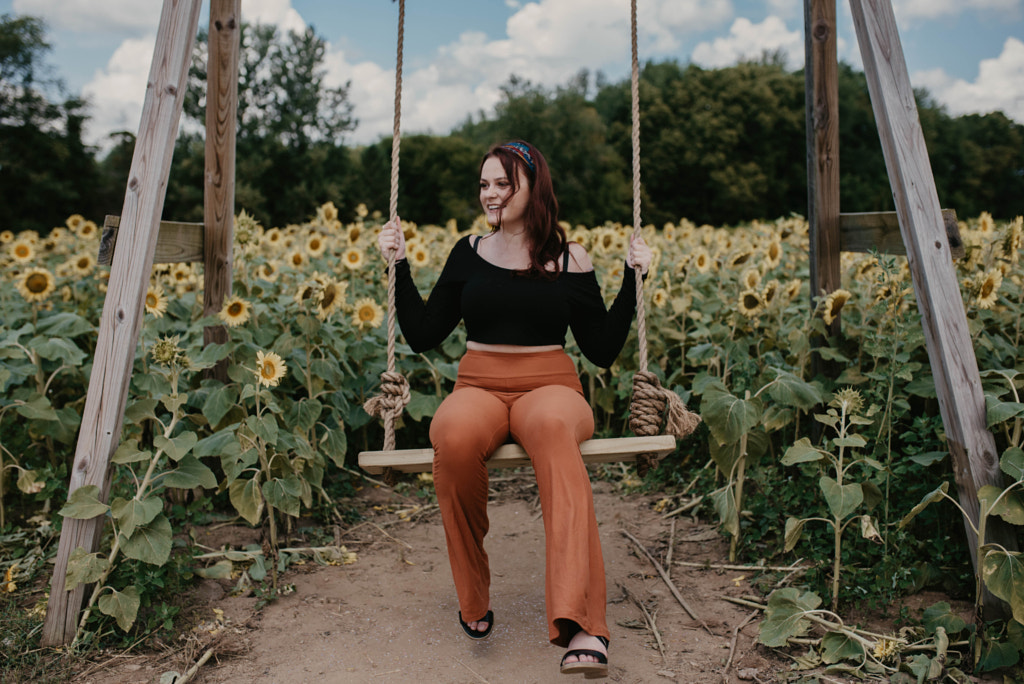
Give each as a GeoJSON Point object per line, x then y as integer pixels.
{"type": "Point", "coordinates": [391, 615]}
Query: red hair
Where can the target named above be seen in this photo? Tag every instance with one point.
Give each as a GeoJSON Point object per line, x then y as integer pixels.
{"type": "Point", "coordinates": [546, 238]}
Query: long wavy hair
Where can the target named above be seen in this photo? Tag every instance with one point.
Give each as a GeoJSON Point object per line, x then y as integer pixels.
{"type": "Point", "coordinates": [547, 240]}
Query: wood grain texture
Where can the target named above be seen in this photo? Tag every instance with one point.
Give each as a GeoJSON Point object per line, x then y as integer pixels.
{"type": "Point", "coordinates": [121, 318]}
{"type": "Point", "coordinates": [176, 242]}
{"type": "Point", "coordinates": [880, 231]}
{"type": "Point", "coordinates": [948, 340]}
{"type": "Point", "coordinates": [513, 455]}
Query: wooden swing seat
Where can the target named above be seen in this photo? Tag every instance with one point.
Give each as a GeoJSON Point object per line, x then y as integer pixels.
{"type": "Point", "coordinates": [619, 449]}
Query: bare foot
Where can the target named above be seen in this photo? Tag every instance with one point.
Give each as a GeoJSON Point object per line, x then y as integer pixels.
{"type": "Point", "coordinates": [582, 640]}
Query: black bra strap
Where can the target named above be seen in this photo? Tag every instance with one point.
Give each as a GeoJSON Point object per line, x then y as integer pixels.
{"type": "Point", "coordinates": [476, 244]}
{"type": "Point", "coordinates": [565, 260]}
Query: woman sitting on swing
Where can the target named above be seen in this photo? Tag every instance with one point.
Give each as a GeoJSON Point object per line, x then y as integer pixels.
{"type": "Point", "coordinates": [519, 289]}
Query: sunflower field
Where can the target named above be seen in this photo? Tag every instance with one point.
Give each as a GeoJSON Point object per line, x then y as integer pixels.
{"type": "Point", "coordinates": [824, 468]}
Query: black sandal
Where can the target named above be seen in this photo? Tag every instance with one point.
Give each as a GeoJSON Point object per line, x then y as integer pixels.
{"type": "Point", "coordinates": [476, 633]}
{"type": "Point", "coordinates": [588, 669]}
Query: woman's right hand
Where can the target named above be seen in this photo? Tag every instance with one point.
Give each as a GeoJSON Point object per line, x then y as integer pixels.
{"type": "Point", "coordinates": [392, 239]}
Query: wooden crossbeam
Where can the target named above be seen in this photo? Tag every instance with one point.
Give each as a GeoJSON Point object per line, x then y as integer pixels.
{"type": "Point", "coordinates": [621, 449]}
{"type": "Point", "coordinates": [863, 232]}
{"type": "Point", "coordinates": [176, 242]}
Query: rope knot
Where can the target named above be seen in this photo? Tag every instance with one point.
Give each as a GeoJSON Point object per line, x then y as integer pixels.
{"type": "Point", "coordinates": [394, 397]}
{"type": "Point", "coordinates": [651, 401]}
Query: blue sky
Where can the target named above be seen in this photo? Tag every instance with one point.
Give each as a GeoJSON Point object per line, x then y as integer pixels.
{"type": "Point", "coordinates": [968, 53]}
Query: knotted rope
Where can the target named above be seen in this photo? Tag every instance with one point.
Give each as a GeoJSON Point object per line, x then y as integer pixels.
{"type": "Point", "coordinates": [649, 401]}
{"type": "Point", "coordinates": [394, 387]}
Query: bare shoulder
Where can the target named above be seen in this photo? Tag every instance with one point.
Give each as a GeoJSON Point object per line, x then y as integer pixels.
{"type": "Point", "coordinates": [579, 260]}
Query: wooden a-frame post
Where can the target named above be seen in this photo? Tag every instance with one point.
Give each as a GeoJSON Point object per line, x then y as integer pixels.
{"type": "Point", "coordinates": [929, 241]}
{"type": "Point", "coordinates": [121, 319]}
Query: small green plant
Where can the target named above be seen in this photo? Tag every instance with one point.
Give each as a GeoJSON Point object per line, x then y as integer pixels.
{"type": "Point", "coordinates": [842, 497]}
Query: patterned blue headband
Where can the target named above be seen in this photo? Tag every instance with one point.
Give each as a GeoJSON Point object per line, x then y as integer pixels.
{"type": "Point", "coordinates": [523, 152]}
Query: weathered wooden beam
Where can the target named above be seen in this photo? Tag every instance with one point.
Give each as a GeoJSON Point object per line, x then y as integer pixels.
{"type": "Point", "coordinates": [121, 319]}
{"type": "Point", "coordinates": [176, 241]}
{"type": "Point", "coordinates": [863, 232]}
{"type": "Point", "coordinates": [219, 188]}
{"type": "Point", "coordinates": [947, 336]}
{"type": "Point", "coordinates": [621, 449]}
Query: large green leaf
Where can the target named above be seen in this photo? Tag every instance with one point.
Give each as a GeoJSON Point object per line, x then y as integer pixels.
{"type": "Point", "coordinates": [1007, 507]}
{"type": "Point", "coordinates": [842, 500]}
{"type": "Point", "coordinates": [84, 568]}
{"type": "Point", "coordinates": [37, 408]}
{"type": "Point", "coordinates": [191, 472]}
{"type": "Point", "coordinates": [64, 324]}
{"type": "Point", "coordinates": [132, 513]}
{"type": "Point", "coordinates": [941, 615]}
{"type": "Point", "coordinates": [60, 349]}
{"type": "Point", "coordinates": [422, 405]}
{"type": "Point", "coordinates": [725, 506]}
{"type": "Point", "coordinates": [123, 606]}
{"type": "Point", "coordinates": [784, 616]}
{"type": "Point", "coordinates": [176, 447]}
{"type": "Point", "coordinates": [129, 452]}
{"type": "Point", "coordinates": [246, 498]}
{"type": "Point", "coordinates": [727, 416]}
{"type": "Point", "coordinates": [84, 503]}
{"type": "Point", "coordinates": [996, 655]}
{"type": "Point", "coordinates": [1012, 463]}
{"type": "Point", "coordinates": [283, 494]}
{"type": "Point", "coordinates": [264, 426]}
{"type": "Point", "coordinates": [221, 443]}
{"type": "Point", "coordinates": [150, 543]}
{"type": "Point", "coordinates": [836, 646]}
{"type": "Point", "coordinates": [335, 444]}
{"type": "Point", "coordinates": [209, 356]}
{"type": "Point", "coordinates": [794, 530]}
{"type": "Point", "coordinates": [789, 390]}
{"type": "Point", "coordinates": [309, 411]}
{"type": "Point", "coordinates": [1003, 574]}
{"type": "Point", "coordinates": [219, 402]}
{"type": "Point", "coordinates": [930, 498]}
{"type": "Point", "coordinates": [726, 455]}
{"type": "Point", "coordinates": [997, 411]}
{"type": "Point", "coordinates": [802, 452]}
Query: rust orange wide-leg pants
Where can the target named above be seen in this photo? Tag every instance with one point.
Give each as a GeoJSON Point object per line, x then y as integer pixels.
{"type": "Point", "coordinates": [538, 400]}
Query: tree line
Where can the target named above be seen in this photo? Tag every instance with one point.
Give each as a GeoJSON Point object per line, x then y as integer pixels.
{"type": "Point", "coordinates": [718, 146]}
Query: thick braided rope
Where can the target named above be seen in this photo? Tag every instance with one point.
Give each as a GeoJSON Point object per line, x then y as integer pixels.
{"type": "Point", "coordinates": [649, 400]}
{"type": "Point", "coordinates": [394, 387]}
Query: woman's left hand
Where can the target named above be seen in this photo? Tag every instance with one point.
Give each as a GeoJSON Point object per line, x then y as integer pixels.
{"type": "Point", "coordinates": [639, 256]}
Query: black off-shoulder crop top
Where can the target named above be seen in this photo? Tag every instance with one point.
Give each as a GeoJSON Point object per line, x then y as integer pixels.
{"type": "Point", "coordinates": [502, 306]}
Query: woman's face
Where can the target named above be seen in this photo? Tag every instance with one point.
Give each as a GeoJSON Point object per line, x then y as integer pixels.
{"type": "Point", "coordinates": [499, 203]}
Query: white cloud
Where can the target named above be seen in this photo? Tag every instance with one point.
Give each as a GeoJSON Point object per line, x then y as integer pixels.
{"type": "Point", "coordinates": [787, 9]}
{"type": "Point", "coordinates": [999, 86]}
{"type": "Point", "coordinates": [117, 93]}
{"type": "Point", "coordinates": [907, 10]}
{"type": "Point", "coordinates": [747, 40]}
{"type": "Point", "coordinates": [110, 16]}
{"type": "Point", "coordinates": [279, 12]}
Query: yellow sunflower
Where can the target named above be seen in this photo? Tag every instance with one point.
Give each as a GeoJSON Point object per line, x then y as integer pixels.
{"type": "Point", "coordinates": [669, 232]}
{"type": "Point", "coordinates": [296, 259]}
{"type": "Point", "coordinates": [659, 298]}
{"type": "Point", "coordinates": [235, 312]}
{"type": "Point", "coordinates": [6, 236]}
{"type": "Point", "coordinates": [986, 224]}
{"type": "Point", "coordinates": [986, 289]}
{"type": "Point", "coordinates": [741, 257]}
{"type": "Point", "coordinates": [367, 312]}
{"type": "Point", "coordinates": [306, 292]}
{"type": "Point", "coordinates": [353, 232]}
{"type": "Point", "coordinates": [361, 210]}
{"type": "Point", "coordinates": [268, 271]}
{"type": "Point", "coordinates": [352, 258]}
{"type": "Point", "coordinates": [22, 251]}
{"type": "Point", "coordinates": [750, 303]}
{"type": "Point", "coordinates": [36, 284]}
{"type": "Point", "coordinates": [750, 279]}
{"type": "Point", "coordinates": [88, 230]}
{"type": "Point", "coordinates": [270, 368]}
{"type": "Point", "coordinates": [316, 245]}
{"type": "Point", "coordinates": [773, 254]}
{"type": "Point", "coordinates": [328, 212]}
{"type": "Point", "coordinates": [1013, 239]}
{"type": "Point", "coordinates": [701, 260]}
{"type": "Point", "coordinates": [420, 256]}
{"type": "Point", "coordinates": [331, 298]}
{"type": "Point", "coordinates": [770, 291]}
{"type": "Point", "coordinates": [74, 222]}
{"type": "Point", "coordinates": [84, 264]}
{"type": "Point", "coordinates": [273, 238]}
{"type": "Point", "coordinates": [156, 301]}
{"type": "Point", "coordinates": [833, 304]}
{"type": "Point", "coordinates": [792, 289]}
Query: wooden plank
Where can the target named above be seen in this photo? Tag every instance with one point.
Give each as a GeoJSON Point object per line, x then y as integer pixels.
{"type": "Point", "coordinates": [880, 231]}
{"type": "Point", "coordinates": [513, 455]}
{"type": "Point", "coordinates": [219, 188]}
{"type": "Point", "coordinates": [822, 106]}
{"type": "Point", "coordinates": [121, 319]}
{"type": "Point", "coordinates": [948, 339]}
{"type": "Point", "coordinates": [176, 242]}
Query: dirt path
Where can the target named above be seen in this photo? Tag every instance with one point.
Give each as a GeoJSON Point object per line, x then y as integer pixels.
{"type": "Point", "coordinates": [391, 615]}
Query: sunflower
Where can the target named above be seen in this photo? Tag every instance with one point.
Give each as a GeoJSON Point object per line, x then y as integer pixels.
{"type": "Point", "coordinates": [268, 271]}
{"type": "Point", "coordinates": [849, 400]}
{"type": "Point", "coordinates": [296, 259]}
{"type": "Point", "coordinates": [273, 237]}
{"type": "Point", "coordinates": [701, 260]}
{"type": "Point", "coordinates": [659, 298]}
{"type": "Point", "coordinates": [352, 258]}
{"type": "Point", "coordinates": [327, 212]}
{"type": "Point", "coordinates": [166, 351]}
{"type": "Point", "coordinates": [773, 254]}
{"type": "Point", "coordinates": [316, 245]}
{"type": "Point", "coordinates": [669, 232]}
{"type": "Point", "coordinates": [181, 274]}
{"type": "Point", "coordinates": [361, 210]}
{"type": "Point", "coordinates": [88, 230]}
{"type": "Point", "coordinates": [792, 289]}
{"type": "Point", "coordinates": [770, 291]}
{"type": "Point", "coordinates": [750, 303]}
{"type": "Point", "coordinates": [420, 256]}
{"type": "Point", "coordinates": [986, 288]}
{"type": "Point", "coordinates": [986, 224]}
{"type": "Point", "coordinates": [833, 304]}
{"type": "Point", "coordinates": [306, 292]}
{"type": "Point", "coordinates": [367, 312]}
{"type": "Point", "coordinates": [84, 264]}
{"type": "Point", "coordinates": [353, 232]}
{"type": "Point", "coordinates": [235, 312]}
{"type": "Point", "coordinates": [1013, 239]}
{"type": "Point", "coordinates": [36, 284]}
{"type": "Point", "coordinates": [741, 257]}
{"type": "Point", "coordinates": [6, 236]}
{"type": "Point", "coordinates": [331, 298]}
{"type": "Point", "coordinates": [74, 222]}
{"type": "Point", "coordinates": [22, 251]}
{"type": "Point", "coordinates": [270, 368]}
{"type": "Point", "coordinates": [156, 301]}
{"type": "Point", "coordinates": [751, 278]}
